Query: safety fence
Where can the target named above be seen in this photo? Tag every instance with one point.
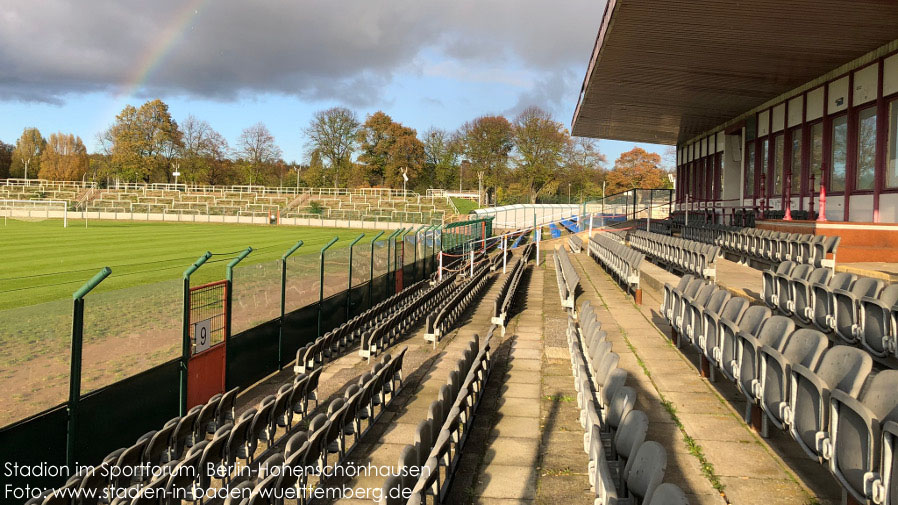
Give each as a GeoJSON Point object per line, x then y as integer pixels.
{"type": "Point", "coordinates": [131, 358]}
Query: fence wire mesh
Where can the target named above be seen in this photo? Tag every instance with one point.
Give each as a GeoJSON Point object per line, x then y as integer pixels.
{"type": "Point", "coordinates": [127, 331]}
{"type": "Point", "coordinates": [208, 302]}
{"type": "Point", "coordinates": [336, 270]}
{"type": "Point", "coordinates": [302, 281]}
{"type": "Point", "coordinates": [34, 358]}
{"type": "Point", "coordinates": [256, 296]}
{"type": "Point", "coordinates": [361, 264]}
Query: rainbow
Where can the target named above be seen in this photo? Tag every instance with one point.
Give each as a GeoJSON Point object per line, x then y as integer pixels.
{"type": "Point", "coordinates": [156, 53]}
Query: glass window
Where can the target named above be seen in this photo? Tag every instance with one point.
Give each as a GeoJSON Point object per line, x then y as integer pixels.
{"type": "Point", "coordinates": [795, 159]}
{"type": "Point", "coordinates": [892, 162]}
{"type": "Point", "coordinates": [866, 149]}
{"type": "Point", "coordinates": [816, 161]}
{"type": "Point", "coordinates": [839, 154]}
{"type": "Point", "coordinates": [750, 169]}
{"type": "Point", "coordinates": [765, 151]}
{"type": "Point", "coordinates": [778, 150]}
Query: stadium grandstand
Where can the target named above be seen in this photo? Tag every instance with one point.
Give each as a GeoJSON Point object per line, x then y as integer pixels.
{"type": "Point", "coordinates": [730, 341]}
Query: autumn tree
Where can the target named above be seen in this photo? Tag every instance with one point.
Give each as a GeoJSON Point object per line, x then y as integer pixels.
{"type": "Point", "coordinates": [143, 142]}
{"type": "Point", "coordinates": [540, 142]}
{"type": "Point", "coordinates": [442, 151]}
{"type": "Point", "coordinates": [64, 158]}
{"type": "Point", "coordinates": [27, 154]}
{"type": "Point", "coordinates": [333, 133]}
{"type": "Point", "coordinates": [636, 169]}
{"type": "Point", "coordinates": [257, 149]}
{"type": "Point", "coordinates": [389, 149]}
{"type": "Point", "coordinates": [203, 154]}
{"type": "Point", "coordinates": [6, 151]}
{"type": "Point", "coordinates": [488, 140]}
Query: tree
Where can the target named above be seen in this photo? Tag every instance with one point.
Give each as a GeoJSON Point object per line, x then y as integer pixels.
{"type": "Point", "coordinates": [389, 149]}
{"type": "Point", "coordinates": [143, 142]}
{"type": "Point", "coordinates": [64, 158]}
{"type": "Point", "coordinates": [27, 154]}
{"type": "Point", "coordinates": [203, 154]}
{"type": "Point", "coordinates": [540, 142]}
{"type": "Point", "coordinates": [6, 151]}
{"type": "Point", "coordinates": [333, 133]}
{"type": "Point", "coordinates": [257, 148]}
{"type": "Point", "coordinates": [487, 142]}
{"type": "Point", "coordinates": [584, 168]}
{"type": "Point", "coordinates": [441, 158]}
{"type": "Point", "coordinates": [636, 169]}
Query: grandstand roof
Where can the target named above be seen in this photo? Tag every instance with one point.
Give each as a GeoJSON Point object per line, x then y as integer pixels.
{"type": "Point", "coordinates": [664, 71]}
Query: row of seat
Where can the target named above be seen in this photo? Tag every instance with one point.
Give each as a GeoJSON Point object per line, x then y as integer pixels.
{"type": "Point", "coordinates": [660, 226]}
{"type": "Point", "coordinates": [768, 245]}
{"type": "Point", "coordinates": [509, 288]}
{"type": "Point", "coordinates": [359, 329]}
{"type": "Point", "coordinates": [568, 279]}
{"type": "Point", "coordinates": [617, 259]}
{"type": "Point", "coordinates": [624, 468]}
{"type": "Point", "coordinates": [575, 243]}
{"type": "Point", "coordinates": [182, 451]}
{"type": "Point", "coordinates": [447, 312]}
{"type": "Point", "coordinates": [859, 310]}
{"type": "Point", "coordinates": [441, 437]}
{"type": "Point", "coordinates": [687, 256]}
{"type": "Point", "coordinates": [287, 474]}
{"type": "Point", "coordinates": [827, 398]}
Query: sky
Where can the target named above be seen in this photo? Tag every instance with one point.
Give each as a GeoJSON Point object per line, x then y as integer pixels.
{"type": "Point", "coordinates": [71, 66]}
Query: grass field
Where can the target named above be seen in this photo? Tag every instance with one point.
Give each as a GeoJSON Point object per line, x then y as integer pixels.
{"type": "Point", "coordinates": [42, 261]}
{"type": "Point", "coordinates": [464, 205]}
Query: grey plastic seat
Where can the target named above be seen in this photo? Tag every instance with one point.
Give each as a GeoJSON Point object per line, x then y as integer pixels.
{"type": "Point", "coordinates": [805, 347]}
{"type": "Point", "coordinates": [853, 445]}
{"type": "Point", "coordinates": [671, 293]}
{"type": "Point", "coordinates": [773, 333]}
{"type": "Point", "coordinates": [878, 322]}
{"type": "Point", "coordinates": [679, 305]}
{"type": "Point", "coordinates": [884, 485]}
{"type": "Point", "coordinates": [708, 341]}
{"type": "Point", "coordinates": [802, 302]}
{"type": "Point", "coordinates": [845, 321]}
{"type": "Point", "coordinates": [668, 494]}
{"type": "Point", "coordinates": [785, 292]}
{"type": "Point", "coordinates": [695, 328]}
{"type": "Point", "coordinates": [692, 309]}
{"type": "Point", "coordinates": [725, 353]}
{"type": "Point", "coordinates": [769, 284]}
{"type": "Point", "coordinates": [824, 303]}
{"type": "Point", "coordinates": [645, 471]}
{"type": "Point", "coordinates": [841, 368]}
{"type": "Point", "coordinates": [629, 436]}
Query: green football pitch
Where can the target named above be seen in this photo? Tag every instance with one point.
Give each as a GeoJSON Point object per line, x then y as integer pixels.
{"type": "Point", "coordinates": [43, 261]}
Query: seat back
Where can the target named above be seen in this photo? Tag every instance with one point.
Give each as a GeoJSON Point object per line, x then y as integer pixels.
{"type": "Point", "coordinates": [753, 318]}
{"type": "Point", "coordinates": [646, 470]}
{"type": "Point", "coordinates": [668, 494]}
{"type": "Point", "coordinates": [630, 435]}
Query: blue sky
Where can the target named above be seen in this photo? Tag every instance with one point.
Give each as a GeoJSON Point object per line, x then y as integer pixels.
{"type": "Point", "coordinates": [439, 64]}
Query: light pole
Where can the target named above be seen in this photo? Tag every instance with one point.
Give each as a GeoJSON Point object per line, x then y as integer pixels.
{"type": "Point", "coordinates": [296, 168]}
{"type": "Point", "coordinates": [568, 193]}
{"type": "Point", "coordinates": [480, 188]}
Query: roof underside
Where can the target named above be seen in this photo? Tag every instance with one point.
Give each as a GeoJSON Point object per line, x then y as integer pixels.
{"type": "Point", "coordinates": [664, 71]}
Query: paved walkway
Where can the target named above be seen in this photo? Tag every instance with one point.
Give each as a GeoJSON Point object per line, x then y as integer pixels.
{"type": "Point", "coordinates": [712, 453]}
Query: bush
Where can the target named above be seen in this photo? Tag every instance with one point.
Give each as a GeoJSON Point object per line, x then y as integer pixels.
{"type": "Point", "coordinates": [315, 207]}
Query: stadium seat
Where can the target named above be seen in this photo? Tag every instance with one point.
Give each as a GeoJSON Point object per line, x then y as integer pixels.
{"type": "Point", "coordinates": [803, 294]}
{"type": "Point", "coordinates": [846, 321]}
{"type": "Point", "coordinates": [774, 333]}
{"type": "Point", "coordinates": [841, 368]}
{"type": "Point", "coordinates": [804, 347]}
{"type": "Point", "coordinates": [709, 340]}
{"type": "Point", "coordinates": [878, 322]}
{"type": "Point", "coordinates": [824, 302]}
{"type": "Point", "coordinates": [725, 354]}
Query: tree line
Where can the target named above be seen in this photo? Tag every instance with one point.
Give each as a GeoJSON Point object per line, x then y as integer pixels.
{"type": "Point", "coordinates": [525, 159]}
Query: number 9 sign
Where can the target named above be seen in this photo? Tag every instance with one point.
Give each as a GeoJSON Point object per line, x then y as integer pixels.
{"type": "Point", "coordinates": [202, 335]}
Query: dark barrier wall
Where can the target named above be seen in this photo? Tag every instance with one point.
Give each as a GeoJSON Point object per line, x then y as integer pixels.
{"type": "Point", "coordinates": [39, 439]}
{"type": "Point", "coordinates": [108, 420]}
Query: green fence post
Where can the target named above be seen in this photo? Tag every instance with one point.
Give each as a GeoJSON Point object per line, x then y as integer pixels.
{"type": "Point", "coordinates": [185, 332]}
{"type": "Point", "coordinates": [349, 289]}
{"type": "Point", "coordinates": [75, 361]}
{"type": "Point", "coordinates": [284, 302]}
{"type": "Point", "coordinates": [390, 242]}
{"type": "Point", "coordinates": [371, 275]}
{"type": "Point", "coordinates": [321, 281]}
{"type": "Point", "coordinates": [417, 237]}
{"type": "Point", "coordinates": [230, 293]}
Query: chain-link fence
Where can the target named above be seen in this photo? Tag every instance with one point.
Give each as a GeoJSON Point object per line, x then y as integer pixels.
{"type": "Point", "coordinates": [127, 331]}
{"type": "Point", "coordinates": [256, 295]}
{"type": "Point", "coordinates": [34, 358]}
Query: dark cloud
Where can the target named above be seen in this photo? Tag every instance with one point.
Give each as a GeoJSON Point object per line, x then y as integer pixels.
{"type": "Point", "coordinates": [346, 50]}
